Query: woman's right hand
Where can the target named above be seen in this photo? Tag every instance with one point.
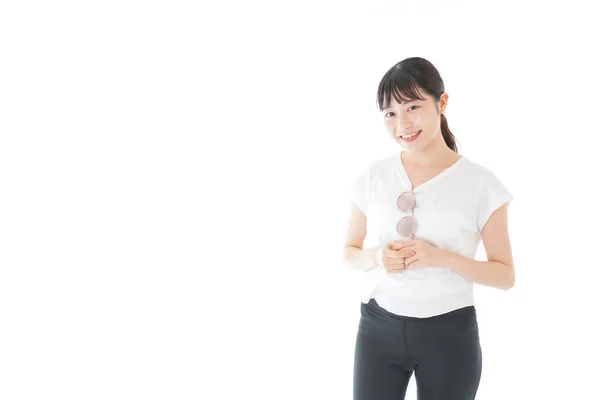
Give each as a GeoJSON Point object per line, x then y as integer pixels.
{"type": "Point", "coordinates": [393, 260]}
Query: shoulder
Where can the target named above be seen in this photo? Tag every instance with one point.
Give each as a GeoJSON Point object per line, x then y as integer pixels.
{"type": "Point", "coordinates": [383, 163]}
{"type": "Point", "coordinates": [474, 167]}
{"type": "Point", "coordinates": [476, 171]}
{"type": "Point", "coordinates": [379, 167]}
{"type": "Point", "coordinates": [490, 187]}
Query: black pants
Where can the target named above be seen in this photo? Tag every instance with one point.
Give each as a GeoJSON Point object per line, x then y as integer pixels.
{"type": "Point", "coordinates": [443, 351]}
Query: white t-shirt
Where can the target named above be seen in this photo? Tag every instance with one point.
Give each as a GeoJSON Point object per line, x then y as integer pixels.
{"type": "Point", "coordinates": [450, 211]}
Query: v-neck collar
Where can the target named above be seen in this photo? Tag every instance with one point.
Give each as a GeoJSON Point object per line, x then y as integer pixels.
{"type": "Point", "coordinates": [402, 170]}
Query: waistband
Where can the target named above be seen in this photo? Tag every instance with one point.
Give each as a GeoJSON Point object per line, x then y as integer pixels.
{"type": "Point", "coordinates": [463, 312]}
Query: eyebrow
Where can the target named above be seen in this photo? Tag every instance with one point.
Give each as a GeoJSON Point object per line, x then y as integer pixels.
{"type": "Point", "coordinates": [404, 102]}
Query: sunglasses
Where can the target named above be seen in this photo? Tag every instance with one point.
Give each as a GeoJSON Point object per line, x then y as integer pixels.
{"type": "Point", "coordinates": [406, 226]}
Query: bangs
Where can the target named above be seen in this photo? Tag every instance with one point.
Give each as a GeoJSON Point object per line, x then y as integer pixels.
{"type": "Point", "coordinates": [399, 84]}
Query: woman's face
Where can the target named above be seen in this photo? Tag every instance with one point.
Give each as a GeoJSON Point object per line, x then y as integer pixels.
{"type": "Point", "coordinates": [424, 116]}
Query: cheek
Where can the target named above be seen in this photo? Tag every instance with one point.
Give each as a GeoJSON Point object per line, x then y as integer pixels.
{"type": "Point", "coordinates": [430, 125]}
{"type": "Point", "coordinates": [389, 126]}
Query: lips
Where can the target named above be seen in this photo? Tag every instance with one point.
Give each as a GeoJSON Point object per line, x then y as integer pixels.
{"type": "Point", "coordinates": [411, 138]}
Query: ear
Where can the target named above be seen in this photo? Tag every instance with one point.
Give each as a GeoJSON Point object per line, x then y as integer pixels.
{"type": "Point", "coordinates": [443, 102]}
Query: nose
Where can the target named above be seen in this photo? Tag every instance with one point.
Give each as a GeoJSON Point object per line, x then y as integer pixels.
{"type": "Point", "coordinates": [404, 122]}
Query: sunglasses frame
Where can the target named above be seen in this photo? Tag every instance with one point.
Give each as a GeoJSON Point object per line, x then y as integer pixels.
{"type": "Point", "coordinates": [411, 208]}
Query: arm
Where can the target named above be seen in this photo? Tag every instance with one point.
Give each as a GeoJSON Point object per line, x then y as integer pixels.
{"type": "Point", "coordinates": [364, 260]}
{"type": "Point", "coordinates": [354, 256]}
{"type": "Point", "coordinates": [498, 271]}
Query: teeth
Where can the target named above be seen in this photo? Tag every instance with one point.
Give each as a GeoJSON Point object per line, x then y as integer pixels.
{"type": "Point", "coordinates": [409, 136]}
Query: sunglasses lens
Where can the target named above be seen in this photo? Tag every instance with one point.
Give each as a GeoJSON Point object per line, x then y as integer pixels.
{"type": "Point", "coordinates": [406, 201]}
{"type": "Point", "coordinates": [405, 226]}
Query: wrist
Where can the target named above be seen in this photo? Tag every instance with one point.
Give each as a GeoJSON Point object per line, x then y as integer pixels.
{"type": "Point", "coordinates": [450, 259]}
{"type": "Point", "coordinates": [375, 256]}
{"type": "Point", "coordinates": [378, 254]}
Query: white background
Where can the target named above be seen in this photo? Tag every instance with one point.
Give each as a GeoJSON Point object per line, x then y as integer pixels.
{"type": "Point", "coordinates": [174, 190]}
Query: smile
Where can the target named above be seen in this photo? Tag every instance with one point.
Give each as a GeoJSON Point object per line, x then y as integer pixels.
{"type": "Point", "coordinates": [411, 136]}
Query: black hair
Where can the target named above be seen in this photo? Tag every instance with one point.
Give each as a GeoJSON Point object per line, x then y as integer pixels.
{"type": "Point", "coordinates": [403, 81]}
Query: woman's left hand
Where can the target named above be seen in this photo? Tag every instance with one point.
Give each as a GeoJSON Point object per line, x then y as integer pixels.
{"type": "Point", "coordinates": [425, 253]}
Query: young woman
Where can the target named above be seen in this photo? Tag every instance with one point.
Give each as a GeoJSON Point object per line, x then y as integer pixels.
{"type": "Point", "coordinates": [434, 206]}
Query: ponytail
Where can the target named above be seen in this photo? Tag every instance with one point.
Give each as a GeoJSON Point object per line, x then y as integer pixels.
{"type": "Point", "coordinates": [448, 136]}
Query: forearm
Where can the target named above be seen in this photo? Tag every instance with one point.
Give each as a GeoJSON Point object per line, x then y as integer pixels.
{"type": "Point", "coordinates": [361, 259]}
{"type": "Point", "coordinates": [488, 273]}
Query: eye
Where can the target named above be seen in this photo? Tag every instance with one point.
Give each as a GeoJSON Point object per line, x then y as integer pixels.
{"type": "Point", "coordinates": [388, 113]}
{"type": "Point", "coordinates": [413, 106]}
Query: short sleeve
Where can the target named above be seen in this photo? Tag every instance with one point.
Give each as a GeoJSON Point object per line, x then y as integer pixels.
{"type": "Point", "coordinates": [492, 195]}
{"type": "Point", "coordinates": [360, 191]}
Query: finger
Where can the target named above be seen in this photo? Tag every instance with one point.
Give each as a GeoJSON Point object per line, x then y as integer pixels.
{"type": "Point", "coordinates": [410, 260]}
{"type": "Point", "coordinates": [397, 269]}
{"type": "Point", "coordinates": [395, 248]}
{"type": "Point", "coordinates": [407, 253]}
{"type": "Point", "coordinates": [402, 243]}
{"type": "Point", "coordinates": [409, 243]}
{"type": "Point", "coordinates": [401, 253]}
{"type": "Point", "coordinates": [396, 262]}
{"type": "Point", "coordinates": [394, 254]}
{"type": "Point", "coordinates": [397, 245]}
